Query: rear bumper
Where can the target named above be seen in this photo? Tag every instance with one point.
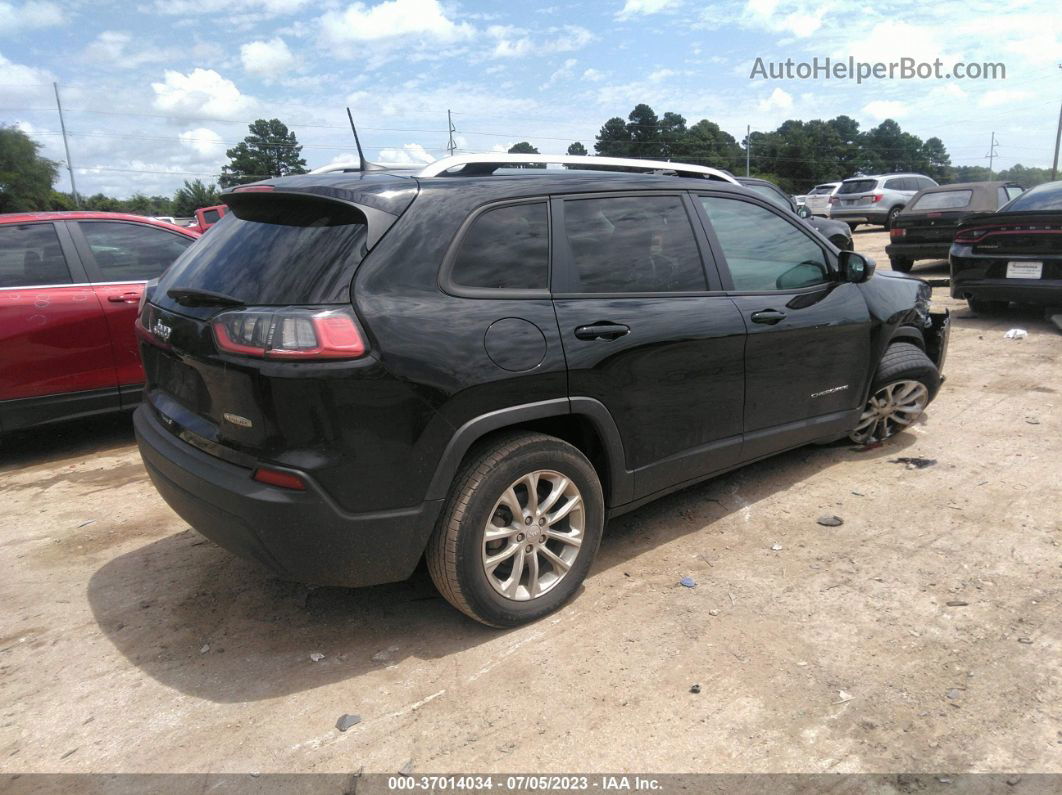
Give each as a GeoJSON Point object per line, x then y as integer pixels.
{"type": "Point", "coordinates": [298, 535]}
{"type": "Point", "coordinates": [858, 215]}
{"type": "Point", "coordinates": [919, 250]}
{"type": "Point", "coordinates": [1046, 292]}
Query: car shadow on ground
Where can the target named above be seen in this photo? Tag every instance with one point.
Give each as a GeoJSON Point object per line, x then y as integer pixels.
{"type": "Point", "coordinates": [196, 619]}
{"type": "Point", "coordinates": [73, 439]}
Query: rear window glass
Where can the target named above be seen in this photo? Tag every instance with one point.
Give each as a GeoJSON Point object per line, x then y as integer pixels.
{"type": "Point", "coordinates": [858, 186]}
{"type": "Point", "coordinates": [276, 250]}
{"type": "Point", "coordinates": [1042, 197]}
{"type": "Point", "coordinates": [211, 216]}
{"type": "Point", "coordinates": [820, 190]}
{"type": "Point", "coordinates": [30, 255]}
{"type": "Point", "coordinates": [944, 200]}
{"type": "Point", "coordinates": [506, 248]}
{"type": "Point", "coordinates": [632, 245]}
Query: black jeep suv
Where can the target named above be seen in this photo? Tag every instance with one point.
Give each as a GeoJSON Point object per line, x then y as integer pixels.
{"type": "Point", "coordinates": [354, 370]}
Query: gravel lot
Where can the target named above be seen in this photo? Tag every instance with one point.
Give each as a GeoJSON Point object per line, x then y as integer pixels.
{"type": "Point", "coordinates": [925, 634]}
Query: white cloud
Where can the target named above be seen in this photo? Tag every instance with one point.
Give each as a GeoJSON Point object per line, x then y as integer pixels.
{"type": "Point", "coordinates": [269, 59]}
{"type": "Point", "coordinates": [184, 8]}
{"type": "Point", "coordinates": [204, 142]}
{"type": "Point", "coordinates": [564, 74]}
{"type": "Point", "coordinates": [111, 48]}
{"type": "Point", "coordinates": [881, 109]}
{"type": "Point", "coordinates": [18, 80]}
{"type": "Point", "coordinates": [409, 154]}
{"type": "Point", "coordinates": [778, 100]}
{"type": "Point", "coordinates": [593, 75]}
{"type": "Point", "coordinates": [993, 99]}
{"type": "Point", "coordinates": [636, 7]}
{"type": "Point", "coordinates": [201, 92]}
{"type": "Point", "coordinates": [661, 75]}
{"type": "Point", "coordinates": [32, 15]}
{"type": "Point", "coordinates": [392, 19]}
{"type": "Point", "coordinates": [517, 42]}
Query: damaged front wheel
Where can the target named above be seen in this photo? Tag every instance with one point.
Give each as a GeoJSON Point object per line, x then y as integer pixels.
{"type": "Point", "coordinates": [906, 381]}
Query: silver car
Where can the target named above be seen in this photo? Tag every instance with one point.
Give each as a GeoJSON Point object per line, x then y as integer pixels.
{"type": "Point", "coordinates": [875, 199]}
{"type": "Point", "coordinates": [818, 198]}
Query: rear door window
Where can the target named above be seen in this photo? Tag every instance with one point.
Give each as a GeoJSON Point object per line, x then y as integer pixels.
{"type": "Point", "coordinates": [944, 200]}
{"type": "Point", "coordinates": [275, 250]}
{"type": "Point", "coordinates": [858, 186]}
{"type": "Point", "coordinates": [129, 252]}
{"type": "Point", "coordinates": [763, 251]}
{"type": "Point", "coordinates": [30, 256]}
{"type": "Point", "coordinates": [627, 244]}
{"type": "Point", "coordinates": [505, 248]}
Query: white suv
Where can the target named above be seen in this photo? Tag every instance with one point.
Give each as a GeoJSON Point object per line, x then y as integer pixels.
{"type": "Point", "coordinates": [876, 199]}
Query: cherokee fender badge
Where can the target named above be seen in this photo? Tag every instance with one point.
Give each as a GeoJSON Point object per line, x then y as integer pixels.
{"type": "Point", "coordinates": [236, 419]}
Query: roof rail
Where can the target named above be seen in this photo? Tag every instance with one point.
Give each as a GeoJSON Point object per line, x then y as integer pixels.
{"type": "Point", "coordinates": [333, 167]}
{"type": "Point", "coordinates": [502, 159]}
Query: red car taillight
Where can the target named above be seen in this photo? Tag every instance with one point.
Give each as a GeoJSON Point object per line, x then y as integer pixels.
{"type": "Point", "coordinates": [834, 200]}
{"type": "Point", "coordinates": [292, 333]}
{"type": "Point", "coordinates": [895, 233]}
{"type": "Point", "coordinates": [876, 197]}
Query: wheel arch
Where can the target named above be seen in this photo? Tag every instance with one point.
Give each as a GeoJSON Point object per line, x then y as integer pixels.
{"type": "Point", "coordinates": [905, 334]}
{"type": "Point", "coordinates": [583, 422]}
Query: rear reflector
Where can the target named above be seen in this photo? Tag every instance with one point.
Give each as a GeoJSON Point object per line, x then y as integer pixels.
{"type": "Point", "coordinates": [291, 333]}
{"type": "Point", "coordinates": [273, 477]}
{"type": "Point", "coordinates": [894, 232]}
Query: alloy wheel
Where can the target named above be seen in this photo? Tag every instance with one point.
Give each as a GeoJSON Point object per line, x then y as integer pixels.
{"type": "Point", "coordinates": [891, 409]}
{"type": "Point", "coordinates": [533, 535]}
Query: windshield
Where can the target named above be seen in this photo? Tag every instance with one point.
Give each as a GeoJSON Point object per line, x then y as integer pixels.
{"type": "Point", "coordinates": [1042, 197]}
{"type": "Point", "coordinates": [858, 186]}
{"type": "Point", "coordinates": [275, 250]}
{"type": "Point", "coordinates": [944, 200]}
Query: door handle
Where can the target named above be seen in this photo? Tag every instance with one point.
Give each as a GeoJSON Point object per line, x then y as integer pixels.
{"type": "Point", "coordinates": [768, 316]}
{"type": "Point", "coordinates": [602, 331]}
{"type": "Point", "coordinates": [124, 298]}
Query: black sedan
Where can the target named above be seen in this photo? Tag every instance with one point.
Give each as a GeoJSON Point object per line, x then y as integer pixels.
{"type": "Point", "coordinates": [1012, 255]}
{"type": "Point", "coordinates": [836, 232]}
{"type": "Point", "coordinates": [926, 226]}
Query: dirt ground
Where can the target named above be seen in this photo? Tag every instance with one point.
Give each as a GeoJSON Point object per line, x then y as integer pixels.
{"type": "Point", "coordinates": [923, 635]}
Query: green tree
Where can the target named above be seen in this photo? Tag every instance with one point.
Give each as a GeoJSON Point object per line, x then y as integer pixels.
{"type": "Point", "coordinates": [271, 150]}
{"type": "Point", "coordinates": [1024, 176]}
{"type": "Point", "coordinates": [193, 195]}
{"type": "Point", "coordinates": [938, 159]}
{"type": "Point", "coordinates": [577, 149]}
{"type": "Point", "coordinates": [643, 129]}
{"type": "Point", "coordinates": [25, 177]}
{"type": "Point", "coordinates": [707, 145]}
{"type": "Point", "coordinates": [613, 140]}
{"type": "Point", "coordinates": [523, 148]}
{"type": "Point", "coordinates": [672, 133]}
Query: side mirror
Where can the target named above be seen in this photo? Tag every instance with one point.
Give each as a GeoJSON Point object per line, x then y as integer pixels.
{"type": "Point", "coordinates": [855, 267]}
{"type": "Point", "coordinates": [803, 211]}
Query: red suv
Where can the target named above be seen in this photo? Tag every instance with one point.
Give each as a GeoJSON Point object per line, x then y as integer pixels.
{"type": "Point", "coordinates": [70, 283]}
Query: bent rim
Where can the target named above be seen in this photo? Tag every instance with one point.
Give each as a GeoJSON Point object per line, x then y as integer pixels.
{"type": "Point", "coordinates": [533, 535]}
{"type": "Point", "coordinates": [891, 409]}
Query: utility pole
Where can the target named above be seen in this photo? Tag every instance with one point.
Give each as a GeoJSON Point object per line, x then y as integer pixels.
{"type": "Point", "coordinates": [1058, 137]}
{"type": "Point", "coordinates": [66, 145]}
{"type": "Point", "coordinates": [991, 154]}
{"type": "Point", "coordinates": [451, 145]}
{"type": "Point", "coordinates": [748, 147]}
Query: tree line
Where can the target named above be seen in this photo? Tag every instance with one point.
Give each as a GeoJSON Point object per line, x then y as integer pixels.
{"type": "Point", "coordinates": [796, 156]}
{"type": "Point", "coordinates": [27, 179]}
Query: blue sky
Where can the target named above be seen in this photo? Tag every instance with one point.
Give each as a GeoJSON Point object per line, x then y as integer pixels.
{"type": "Point", "coordinates": [156, 90]}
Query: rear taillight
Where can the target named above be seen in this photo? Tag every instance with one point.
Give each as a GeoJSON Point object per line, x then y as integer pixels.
{"type": "Point", "coordinates": [971, 235]}
{"type": "Point", "coordinates": [895, 233]}
{"type": "Point", "coordinates": [876, 197]}
{"type": "Point", "coordinates": [276, 477]}
{"type": "Point", "coordinates": [834, 200]}
{"type": "Point", "coordinates": [291, 333]}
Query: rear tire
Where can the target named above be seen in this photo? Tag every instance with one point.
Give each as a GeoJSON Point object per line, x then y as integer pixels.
{"type": "Point", "coordinates": [901, 264]}
{"type": "Point", "coordinates": [890, 219]}
{"type": "Point", "coordinates": [981, 307]}
{"type": "Point", "coordinates": [907, 380]}
{"type": "Point", "coordinates": [498, 554]}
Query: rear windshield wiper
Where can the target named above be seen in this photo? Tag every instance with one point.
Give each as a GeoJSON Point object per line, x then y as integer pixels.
{"type": "Point", "coordinates": [190, 296]}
